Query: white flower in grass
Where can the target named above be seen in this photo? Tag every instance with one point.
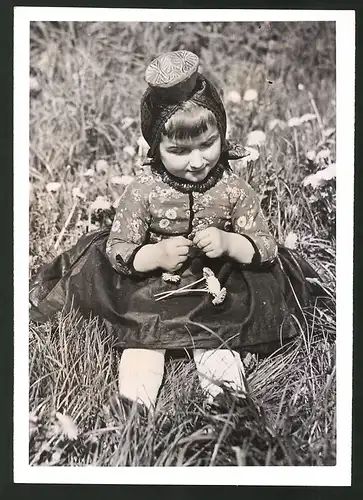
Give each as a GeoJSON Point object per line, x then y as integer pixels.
{"type": "Point", "coordinates": [233, 96]}
{"type": "Point", "coordinates": [76, 192]}
{"type": "Point", "coordinates": [127, 122]}
{"type": "Point", "coordinates": [253, 154]}
{"type": "Point", "coordinates": [122, 180]}
{"type": "Point", "coordinates": [171, 278]}
{"type": "Point", "coordinates": [250, 95]}
{"type": "Point", "coordinates": [295, 121]}
{"type": "Point", "coordinates": [256, 138]}
{"type": "Point", "coordinates": [308, 117]}
{"type": "Point", "coordinates": [164, 223]}
{"type": "Point", "coordinates": [67, 425]}
{"type": "Point", "coordinates": [89, 173]}
{"type": "Point", "coordinates": [301, 86]}
{"type": "Point", "coordinates": [129, 150]}
{"type": "Point", "coordinates": [100, 203]}
{"type": "Point", "coordinates": [275, 122]}
{"type": "Point", "coordinates": [53, 187]}
{"type": "Point", "coordinates": [320, 177]}
{"type": "Point", "coordinates": [171, 214]}
{"type": "Point", "coordinates": [323, 154]}
{"type": "Point", "coordinates": [102, 166]}
{"type": "Point", "coordinates": [328, 132]}
{"type": "Point", "coordinates": [291, 240]}
{"type": "Point", "coordinates": [311, 155]}
{"type": "Point", "coordinates": [143, 147]}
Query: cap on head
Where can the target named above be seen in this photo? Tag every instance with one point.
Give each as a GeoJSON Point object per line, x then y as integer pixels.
{"type": "Point", "coordinates": [173, 78]}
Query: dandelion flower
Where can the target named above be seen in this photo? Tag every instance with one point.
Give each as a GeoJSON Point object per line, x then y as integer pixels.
{"type": "Point", "coordinates": [122, 180]}
{"type": "Point", "coordinates": [129, 150]}
{"type": "Point", "coordinates": [218, 299]}
{"type": "Point", "coordinates": [275, 122]}
{"type": "Point", "coordinates": [253, 154]}
{"type": "Point", "coordinates": [256, 138]}
{"type": "Point", "coordinates": [213, 285]}
{"type": "Point", "coordinates": [53, 187]}
{"type": "Point", "coordinates": [291, 240]}
{"type": "Point", "coordinates": [301, 86]}
{"type": "Point", "coordinates": [171, 278]}
{"type": "Point", "coordinates": [127, 122]}
{"type": "Point", "coordinates": [89, 173]}
{"type": "Point", "coordinates": [233, 96]}
{"type": "Point", "coordinates": [320, 177]}
{"type": "Point", "coordinates": [101, 166]}
{"type": "Point", "coordinates": [68, 427]}
{"type": "Point", "coordinates": [100, 203]}
{"type": "Point", "coordinates": [207, 272]}
{"type": "Point", "coordinates": [308, 117]}
{"type": "Point", "coordinates": [77, 193]}
{"type": "Point", "coordinates": [295, 121]}
{"type": "Point", "coordinates": [143, 147]}
{"type": "Point", "coordinates": [250, 95]}
{"type": "Point", "coordinates": [328, 132]}
{"type": "Point", "coordinates": [323, 154]}
{"type": "Point", "coordinates": [311, 155]}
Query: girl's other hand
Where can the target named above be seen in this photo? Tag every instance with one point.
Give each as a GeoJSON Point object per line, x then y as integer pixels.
{"type": "Point", "coordinates": [173, 252]}
{"type": "Point", "coordinates": [212, 241]}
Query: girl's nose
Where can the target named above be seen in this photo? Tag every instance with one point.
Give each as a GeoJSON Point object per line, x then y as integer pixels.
{"type": "Point", "coordinates": [195, 159]}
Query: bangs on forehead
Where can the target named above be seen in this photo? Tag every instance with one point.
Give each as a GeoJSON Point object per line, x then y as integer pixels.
{"type": "Point", "coordinates": [189, 122]}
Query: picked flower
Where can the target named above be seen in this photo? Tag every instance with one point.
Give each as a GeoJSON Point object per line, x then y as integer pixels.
{"type": "Point", "coordinates": [213, 287]}
{"type": "Point", "coordinates": [218, 299]}
{"type": "Point", "coordinates": [171, 278]}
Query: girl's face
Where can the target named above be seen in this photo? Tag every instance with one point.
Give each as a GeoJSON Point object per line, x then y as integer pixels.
{"type": "Point", "coordinates": [191, 159]}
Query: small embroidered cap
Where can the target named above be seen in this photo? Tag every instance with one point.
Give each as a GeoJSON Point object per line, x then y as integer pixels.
{"type": "Point", "coordinates": [173, 74]}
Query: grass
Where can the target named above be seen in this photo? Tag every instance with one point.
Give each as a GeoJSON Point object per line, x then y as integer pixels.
{"type": "Point", "coordinates": [87, 79]}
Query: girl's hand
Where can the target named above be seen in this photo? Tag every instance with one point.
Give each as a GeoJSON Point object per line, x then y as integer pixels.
{"type": "Point", "coordinates": [172, 253]}
{"type": "Point", "coordinates": [212, 241]}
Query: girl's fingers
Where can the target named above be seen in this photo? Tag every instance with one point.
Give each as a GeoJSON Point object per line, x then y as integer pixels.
{"type": "Point", "coordinates": [182, 242]}
{"type": "Point", "coordinates": [208, 248]}
{"type": "Point", "coordinates": [199, 236]}
{"type": "Point", "coordinates": [183, 250]}
{"type": "Point", "coordinates": [204, 242]}
{"type": "Point", "coordinates": [182, 258]}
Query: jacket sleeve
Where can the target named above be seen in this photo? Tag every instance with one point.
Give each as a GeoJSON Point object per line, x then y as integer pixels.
{"type": "Point", "coordinates": [129, 229]}
{"type": "Point", "coordinates": [248, 220]}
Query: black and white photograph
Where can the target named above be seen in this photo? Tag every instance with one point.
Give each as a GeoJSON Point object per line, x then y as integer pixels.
{"type": "Point", "coordinates": [179, 268]}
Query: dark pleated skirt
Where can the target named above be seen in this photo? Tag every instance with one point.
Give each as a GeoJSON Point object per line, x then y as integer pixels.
{"type": "Point", "coordinates": [255, 316]}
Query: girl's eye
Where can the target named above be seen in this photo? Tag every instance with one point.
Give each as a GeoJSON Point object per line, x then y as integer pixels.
{"type": "Point", "coordinates": [179, 151]}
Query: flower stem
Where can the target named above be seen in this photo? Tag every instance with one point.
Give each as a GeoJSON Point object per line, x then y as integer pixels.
{"type": "Point", "coordinates": [180, 289]}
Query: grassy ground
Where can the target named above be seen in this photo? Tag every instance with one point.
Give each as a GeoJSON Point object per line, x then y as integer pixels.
{"type": "Point", "coordinates": [86, 82]}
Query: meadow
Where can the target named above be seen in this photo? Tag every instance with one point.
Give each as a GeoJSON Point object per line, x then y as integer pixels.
{"type": "Point", "coordinates": [278, 84]}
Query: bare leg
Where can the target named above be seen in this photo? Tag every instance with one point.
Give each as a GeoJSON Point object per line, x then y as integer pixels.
{"type": "Point", "coordinates": [140, 375]}
{"type": "Point", "coordinates": [221, 366]}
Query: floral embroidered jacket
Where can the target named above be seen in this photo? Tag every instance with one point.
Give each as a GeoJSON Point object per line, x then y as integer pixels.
{"type": "Point", "coordinates": [154, 206]}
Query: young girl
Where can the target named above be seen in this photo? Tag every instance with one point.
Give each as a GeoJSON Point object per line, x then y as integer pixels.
{"type": "Point", "coordinates": [188, 227]}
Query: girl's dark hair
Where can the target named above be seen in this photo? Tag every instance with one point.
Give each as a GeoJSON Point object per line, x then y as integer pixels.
{"type": "Point", "coordinates": [188, 122]}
